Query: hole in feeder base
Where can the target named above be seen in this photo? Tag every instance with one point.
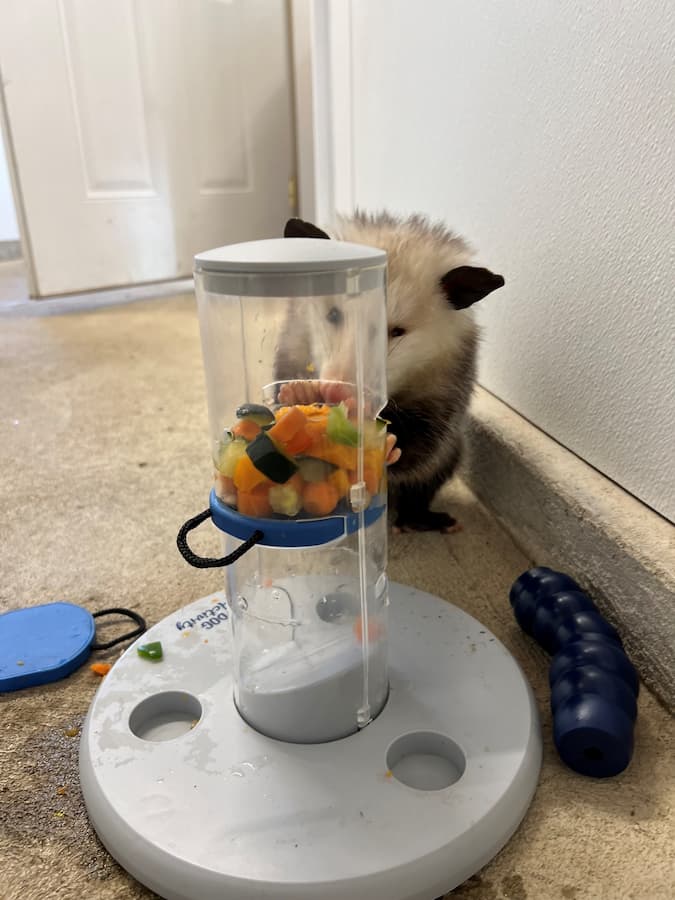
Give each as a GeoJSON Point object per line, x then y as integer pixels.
{"type": "Point", "coordinates": [426, 761]}
{"type": "Point", "coordinates": [165, 716]}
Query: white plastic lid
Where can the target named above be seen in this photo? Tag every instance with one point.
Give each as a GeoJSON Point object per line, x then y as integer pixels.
{"type": "Point", "coordinates": [291, 267]}
{"type": "Point", "coordinates": [289, 255]}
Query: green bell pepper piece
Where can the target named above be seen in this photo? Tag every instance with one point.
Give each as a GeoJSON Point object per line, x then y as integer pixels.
{"type": "Point", "coordinates": [152, 651]}
{"type": "Point", "coordinates": [339, 429]}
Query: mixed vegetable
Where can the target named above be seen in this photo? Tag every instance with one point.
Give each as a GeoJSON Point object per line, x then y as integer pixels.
{"type": "Point", "coordinates": [300, 460]}
{"type": "Point", "coordinates": [152, 651]}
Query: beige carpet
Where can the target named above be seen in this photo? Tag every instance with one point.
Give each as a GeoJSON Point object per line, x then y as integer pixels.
{"type": "Point", "coordinates": [103, 454]}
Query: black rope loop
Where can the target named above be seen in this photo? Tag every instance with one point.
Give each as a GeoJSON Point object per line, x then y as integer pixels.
{"type": "Point", "coordinates": [206, 562]}
{"type": "Point", "coordinates": [120, 611]}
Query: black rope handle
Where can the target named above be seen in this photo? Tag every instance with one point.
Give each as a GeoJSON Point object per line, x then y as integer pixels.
{"type": "Point", "coordinates": [119, 611]}
{"type": "Point", "coordinates": [206, 562]}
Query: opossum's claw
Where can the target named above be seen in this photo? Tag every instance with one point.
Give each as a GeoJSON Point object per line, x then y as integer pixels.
{"type": "Point", "coordinates": [425, 520]}
{"type": "Point", "coordinates": [454, 529]}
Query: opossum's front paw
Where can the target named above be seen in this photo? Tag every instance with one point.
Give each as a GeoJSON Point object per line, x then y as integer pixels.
{"type": "Point", "coordinates": [425, 520]}
{"type": "Point", "coordinates": [314, 391]}
{"type": "Point", "coordinates": [300, 392]}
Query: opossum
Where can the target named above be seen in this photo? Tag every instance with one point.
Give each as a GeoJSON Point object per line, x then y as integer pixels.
{"type": "Point", "coordinates": [432, 348]}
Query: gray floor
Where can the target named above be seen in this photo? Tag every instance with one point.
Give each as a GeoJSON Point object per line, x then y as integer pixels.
{"type": "Point", "coordinates": [13, 281]}
{"type": "Point", "coordinates": [104, 452]}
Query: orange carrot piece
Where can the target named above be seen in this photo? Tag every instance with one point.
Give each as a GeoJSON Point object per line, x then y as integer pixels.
{"type": "Point", "coordinates": [339, 454]}
{"type": "Point", "coordinates": [319, 498]}
{"type": "Point", "coordinates": [246, 476]}
{"type": "Point", "coordinates": [246, 428]}
{"type": "Point", "coordinates": [311, 410]}
{"type": "Point", "coordinates": [375, 629]}
{"type": "Point", "coordinates": [340, 481]}
{"type": "Point", "coordinates": [316, 412]}
{"type": "Point", "coordinates": [316, 429]}
{"type": "Point", "coordinates": [372, 480]}
{"type": "Point", "coordinates": [100, 668]}
{"type": "Point", "coordinates": [288, 426]}
{"type": "Point", "coordinates": [374, 458]}
{"type": "Point", "coordinates": [256, 502]}
{"type": "Point", "coordinates": [298, 443]}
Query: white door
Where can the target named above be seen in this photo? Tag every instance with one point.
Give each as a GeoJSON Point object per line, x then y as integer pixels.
{"type": "Point", "coordinates": [144, 131]}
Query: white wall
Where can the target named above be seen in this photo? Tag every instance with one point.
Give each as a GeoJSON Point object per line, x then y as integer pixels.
{"type": "Point", "coordinates": [544, 131]}
{"type": "Point", "coordinates": [9, 229]}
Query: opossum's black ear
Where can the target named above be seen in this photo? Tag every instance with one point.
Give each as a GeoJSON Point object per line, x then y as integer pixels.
{"type": "Point", "coordinates": [301, 229]}
{"type": "Point", "coordinates": [466, 285]}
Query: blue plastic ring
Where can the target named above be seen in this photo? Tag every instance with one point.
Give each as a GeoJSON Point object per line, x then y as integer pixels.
{"type": "Point", "coordinates": [292, 532]}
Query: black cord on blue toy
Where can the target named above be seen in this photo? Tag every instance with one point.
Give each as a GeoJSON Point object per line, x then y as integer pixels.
{"type": "Point", "coordinates": [119, 611]}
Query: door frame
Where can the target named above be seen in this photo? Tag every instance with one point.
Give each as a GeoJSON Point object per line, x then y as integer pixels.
{"type": "Point", "coordinates": [322, 86]}
{"type": "Point", "coordinates": [15, 182]}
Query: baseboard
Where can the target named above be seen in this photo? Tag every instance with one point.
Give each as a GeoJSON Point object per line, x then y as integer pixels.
{"type": "Point", "coordinates": [565, 514]}
{"type": "Point", "coordinates": [10, 250]}
{"type": "Point", "coordinates": [86, 302]}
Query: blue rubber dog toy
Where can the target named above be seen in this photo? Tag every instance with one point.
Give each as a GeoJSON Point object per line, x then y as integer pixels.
{"type": "Point", "coordinates": [40, 644]}
{"type": "Point", "coordinates": [594, 686]}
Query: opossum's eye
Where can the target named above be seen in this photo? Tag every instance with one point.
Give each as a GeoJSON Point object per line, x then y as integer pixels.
{"type": "Point", "coordinates": [396, 331]}
{"type": "Point", "coordinates": [335, 316]}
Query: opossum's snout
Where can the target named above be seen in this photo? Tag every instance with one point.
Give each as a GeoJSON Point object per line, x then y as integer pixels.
{"type": "Point", "coordinates": [333, 343]}
{"type": "Point", "coordinates": [339, 367]}
{"type": "Point", "coordinates": [334, 371]}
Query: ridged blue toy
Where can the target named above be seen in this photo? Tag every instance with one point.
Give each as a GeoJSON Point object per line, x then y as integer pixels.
{"type": "Point", "coordinates": [527, 589]}
{"type": "Point", "coordinates": [594, 685]}
{"type": "Point", "coordinates": [594, 680]}
{"type": "Point", "coordinates": [595, 652]}
{"type": "Point", "coordinates": [581, 623]}
{"type": "Point", "coordinates": [551, 609]}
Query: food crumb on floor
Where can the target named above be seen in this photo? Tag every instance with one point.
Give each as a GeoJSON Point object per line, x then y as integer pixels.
{"type": "Point", "coordinates": [100, 669]}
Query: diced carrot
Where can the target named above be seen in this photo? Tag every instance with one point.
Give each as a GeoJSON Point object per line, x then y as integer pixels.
{"type": "Point", "coordinates": [374, 458]}
{"type": "Point", "coordinates": [315, 410]}
{"type": "Point", "coordinates": [298, 443]}
{"type": "Point", "coordinates": [310, 410]}
{"type": "Point", "coordinates": [373, 470]}
{"type": "Point", "coordinates": [246, 476]}
{"type": "Point", "coordinates": [375, 629]}
{"type": "Point", "coordinates": [288, 426]}
{"type": "Point", "coordinates": [372, 480]}
{"type": "Point", "coordinates": [255, 502]}
{"type": "Point", "coordinates": [100, 668]}
{"type": "Point", "coordinates": [281, 412]}
{"type": "Point", "coordinates": [316, 428]}
{"type": "Point", "coordinates": [319, 498]}
{"type": "Point", "coordinates": [340, 480]}
{"type": "Point", "coordinates": [246, 428]}
{"type": "Point", "coordinates": [340, 455]}
{"type": "Point", "coordinates": [316, 414]}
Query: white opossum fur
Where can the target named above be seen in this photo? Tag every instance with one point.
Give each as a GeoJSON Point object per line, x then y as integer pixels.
{"type": "Point", "coordinates": [432, 346]}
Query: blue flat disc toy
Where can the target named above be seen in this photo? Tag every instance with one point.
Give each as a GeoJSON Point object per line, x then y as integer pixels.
{"type": "Point", "coordinates": [45, 643]}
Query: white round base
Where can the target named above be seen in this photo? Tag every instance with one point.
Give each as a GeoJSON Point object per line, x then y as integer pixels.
{"type": "Point", "coordinates": [406, 809]}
